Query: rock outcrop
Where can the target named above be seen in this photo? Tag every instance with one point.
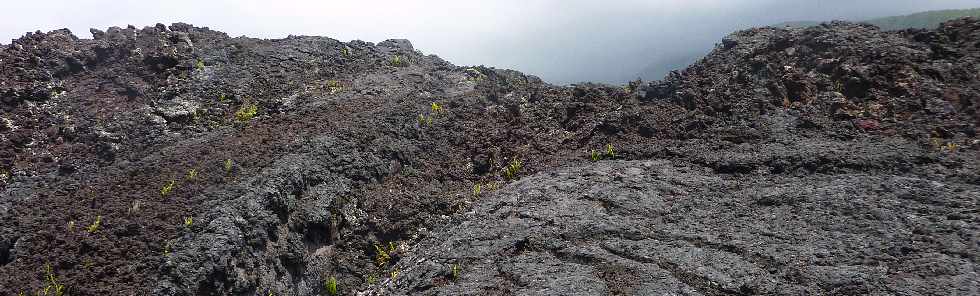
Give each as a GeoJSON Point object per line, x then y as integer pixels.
{"type": "Point", "coordinates": [175, 160]}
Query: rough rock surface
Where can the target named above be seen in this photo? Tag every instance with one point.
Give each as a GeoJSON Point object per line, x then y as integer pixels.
{"type": "Point", "coordinates": [174, 160]}
{"type": "Point", "coordinates": [659, 227]}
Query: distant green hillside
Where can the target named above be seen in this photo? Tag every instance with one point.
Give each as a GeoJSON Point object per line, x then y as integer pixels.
{"type": "Point", "coordinates": [922, 20]}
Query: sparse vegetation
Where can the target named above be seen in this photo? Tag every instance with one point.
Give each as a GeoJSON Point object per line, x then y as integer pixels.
{"type": "Point", "coordinates": [394, 274]}
{"type": "Point", "coordinates": [51, 287]}
{"type": "Point", "coordinates": [334, 86]}
{"type": "Point", "coordinates": [188, 221]}
{"type": "Point", "coordinates": [941, 146]}
{"type": "Point", "coordinates": [95, 225]}
{"type": "Point", "coordinates": [424, 120]}
{"type": "Point", "coordinates": [609, 152]}
{"type": "Point", "coordinates": [331, 286]}
{"type": "Point", "coordinates": [345, 51]}
{"type": "Point", "coordinates": [479, 188]}
{"type": "Point", "coordinates": [491, 186]}
{"type": "Point", "coordinates": [192, 174]}
{"type": "Point", "coordinates": [383, 254]}
{"type": "Point", "coordinates": [228, 165]}
{"type": "Point", "coordinates": [87, 263]}
{"type": "Point", "coordinates": [455, 269]}
{"type": "Point", "coordinates": [71, 226]}
{"type": "Point", "coordinates": [396, 61]}
{"type": "Point", "coordinates": [199, 65]}
{"type": "Point", "coordinates": [246, 112]}
{"type": "Point", "coordinates": [169, 187]}
{"type": "Point", "coordinates": [512, 169]}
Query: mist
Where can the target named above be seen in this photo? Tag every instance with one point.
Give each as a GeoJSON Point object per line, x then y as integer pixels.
{"type": "Point", "coordinates": [560, 41]}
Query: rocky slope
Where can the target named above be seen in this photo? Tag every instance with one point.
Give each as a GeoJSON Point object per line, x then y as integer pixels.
{"type": "Point", "coordinates": [659, 67]}
{"type": "Point", "coordinates": [837, 159]}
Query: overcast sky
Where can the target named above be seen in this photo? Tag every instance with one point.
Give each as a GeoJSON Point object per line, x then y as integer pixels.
{"type": "Point", "coordinates": [561, 41]}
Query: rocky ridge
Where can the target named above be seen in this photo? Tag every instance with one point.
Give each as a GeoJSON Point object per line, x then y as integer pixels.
{"type": "Point", "coordinates": [175, 160]}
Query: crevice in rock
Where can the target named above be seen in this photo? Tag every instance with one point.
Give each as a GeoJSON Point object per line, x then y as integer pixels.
{"type": "Point", "coordinates": [318, 235]}
{"type": "Point", "coordinates": [7, 251]}
{"type": "Point", "coordinates": [695, 281]}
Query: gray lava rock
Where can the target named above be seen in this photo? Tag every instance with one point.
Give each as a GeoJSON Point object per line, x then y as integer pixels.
{"type": "Point", "coordinates": [275, 232]}
{"type": "Point", "coordinates": [398, 45]}
{"type": "Point", "coordinates": [177, 109]}
{"type": "Point", "coordinates": [668, 228]}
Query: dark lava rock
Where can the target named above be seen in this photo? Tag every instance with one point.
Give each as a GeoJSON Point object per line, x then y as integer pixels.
{"type": "Point", "coordinates": [175, 160]}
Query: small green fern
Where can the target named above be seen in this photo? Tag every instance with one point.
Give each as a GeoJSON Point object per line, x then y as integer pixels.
{"type": "Point", "coordinates": [331, 286]}
{"type": "Point", "coordinates": [246, 112]}
{"type": "Point", "coordinates": [455, 271]}
{"type": "Point", "coordinates": [383, 254]}
{"type": "Point", "coordinates": [512, 169]}
{"type": "Point", "coordinates": [95, 225]}
{"type": "Point", "coordinates": [167, 188]}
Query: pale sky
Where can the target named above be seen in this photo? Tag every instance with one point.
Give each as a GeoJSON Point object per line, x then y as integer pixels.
{"type": "Point", "coordinates": [561, 41]}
